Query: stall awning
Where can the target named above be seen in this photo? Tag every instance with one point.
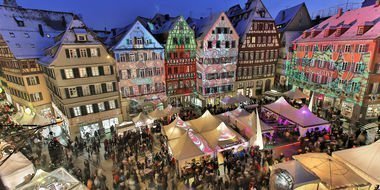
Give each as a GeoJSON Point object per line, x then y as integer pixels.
{"type": "Point", "coordinates": [332, 173]}
{"type": "Point", "coordinates": [364, 160]}
{"type": "Point", "coordinates": [15, 169]}
{"type": "Point", "coordinates": [184, 148]}
{"type": "Point", "coordinates": [302, 117]}
{"type": "Point", "coordinates": [206, 122]}
{"type": "Point", "coordinates": [295, 94]}
{"type": "Point", "coordinates": [300, 175]}
{"type": "Point", "coordinates": [175, 129]}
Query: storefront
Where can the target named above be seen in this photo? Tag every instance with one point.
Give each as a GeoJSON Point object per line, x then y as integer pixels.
{"type": "Point", "coordinates": [347, 109]}
{"type": "Point", "coordinates": [373, 111]}
{"type": "Point", "coordinates": [108, 123]}
{"type": "Point", "coordinates": [88, 130]}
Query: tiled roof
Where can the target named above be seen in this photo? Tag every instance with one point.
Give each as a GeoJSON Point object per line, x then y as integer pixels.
{"type": "Point", "coordinates": [286, 15]}
{"type": "Point", "coordinates": [351, 20]}
{"type": "Point", "coordinates": [28, 32]}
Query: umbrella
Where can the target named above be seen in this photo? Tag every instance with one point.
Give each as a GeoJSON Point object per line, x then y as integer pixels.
{"type": "Point", "coordinates": [228, 100]}
{"type": "Point", "coordinates": [333, 173]}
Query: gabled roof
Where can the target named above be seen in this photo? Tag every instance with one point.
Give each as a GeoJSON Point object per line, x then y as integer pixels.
{"type": "Point", "coordinates": [75, 27]}
{"type": "Point", "coordinates": [21, 29]}
{"type": "Point", "coordinates": [167, 25]}
{"type": "Point", "coordinates": [285, 16]}
{"type": "Point", "coordinates": [203, 26]}
{"type": "Point", "coordinates": [234, 10]}
{"type": "Point", "coordinates": [242, 20]}
{"type": "Point", "coordinates": [350, 20]}
{"type": "Point", "coordinates": [367, 3]}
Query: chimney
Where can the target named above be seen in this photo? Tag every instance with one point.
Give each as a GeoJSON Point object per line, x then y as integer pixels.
{"type": "Point", "coordinates": [64, 23]}
{"type": "Point", "coordinates": [41, 30]}
{"type": "Point", "coordinates": [167, 17]}
{"type": "Point", "coordinates": [340, 12]}
{"type": "Point", "coordinates": [113, 30]}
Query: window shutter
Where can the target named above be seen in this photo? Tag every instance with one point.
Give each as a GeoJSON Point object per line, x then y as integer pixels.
{"type": "Point", "coordinates": [78, 53]}
{"type": "Point", "coordinates": [107, 105]}
{"type": "Point", "coordinates": [89, 71]}
{"type": "Point", "coordinates": [37, 80]}
{"type": "Point", "coordinates": [116, 104]}
{"type": "Point", "coordinates": [63, 74]}
{"type": "Point", "coordinates": [111, 68]}
{"type": "Point", "coordinates": [104, 88]}
{"type": "Point", "coordinates": [67, 93]}
{"type": "Point", "coordinates": [79, 91]}
{"type": "Point", "coordinates": [28, 81]}
{"type": "Point", "coordinates": [67, 53]}
{"type": "Point", "coordinates": [95, 107]}
{"type": "Point", "coordinates": [98, 49]}
{"type": "Point", "coordinates": [31, 97]}
{"type": "Point", "coordinates": [88, 52]}
{"type": "Point", "coordinates": [114, 86]}
{"type": "Point", "coordinates": [41, 98]}
{"type": "Point", "coordinates": [76, 72]}
{"type": "Point", "coordinates": [71, 112]}
{"type": "Point", "coordinates": [101, 70]}
{"type": "Point", "coordinates": [83, 110]}
{"type": "Point", "coordinates": [92, 89]}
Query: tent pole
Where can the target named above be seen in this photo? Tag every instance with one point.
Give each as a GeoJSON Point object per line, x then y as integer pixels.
{"type": "Point", "coordinates": [318, 186]}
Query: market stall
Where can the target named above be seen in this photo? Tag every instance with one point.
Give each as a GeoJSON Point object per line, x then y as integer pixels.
{"type": "Point", "coordinates": [365, 161]}
{"type": "Point", "coordinates": [295, 94]}
{"type": "Point", "coordinates": [157, 114]}
{"type": "Point", "coordinates": [302, 178]}
{"type": "Point", "coordinates": [206, 122]}
{"type": "Point", "coordinates": [285, 114]}
{"type": "Point", "coordinates": [142, 120]}
{"type": "Point", "coordinates": [332, 173]}
{"type": "Point", "coordinates": [57, 179]}
{"type": "Point", "coordinates": [228, 100]}
{"type": "Point", "coordinates": [15, 169]}
{"type": "Point", "coordinates": [175, 129]}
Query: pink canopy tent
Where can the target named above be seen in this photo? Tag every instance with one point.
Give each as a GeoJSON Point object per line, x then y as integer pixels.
{"type": "Point", "coordinates": [303, 117]}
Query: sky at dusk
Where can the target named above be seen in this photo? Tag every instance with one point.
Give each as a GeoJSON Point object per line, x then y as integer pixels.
{"type": "Point", "coordinates": [116, 13]}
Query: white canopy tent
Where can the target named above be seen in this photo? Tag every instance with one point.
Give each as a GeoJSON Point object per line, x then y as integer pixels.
{"type": "Point", "coordinates": [141, 120]}
{"type": "Point", "coordinates": [175, 129]}
{"type": "Point", "coordinates": [303, 179]}
{"type": "Point", "coordinates": [15, 169]}
{"type": "Point", "coordinates": [170, 110]}
{"type": "Point", "coordinates": [365, 161]}
{"type": "Point", "coordinates": [332, 173]}
{"type": "Point", "coordinates": [157, 114]}
{"type": "Point", "coordinates": [295, 94]}
{"type": "Point", "coordinates": [206, 122]}
{"type": "Point", "coordinates": [57, 179]}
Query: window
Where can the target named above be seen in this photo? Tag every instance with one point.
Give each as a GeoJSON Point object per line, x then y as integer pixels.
{"type": "Point", "coordinates": [131, 90]}
{"type": "Point", "coordinates": [101, 106]}
{"type": "Point", "coordinates": [218, 30]}
{"type": "Point", "coordinates": [86, 91]}
{"type": "Point", "coordinates": [73, 53]}
{"type": "Point", "coordinates": [233, 44]}
{"type": "Point", "coordinates": [357, 67]}
{"type": "Point", "coordinates": [107, 70]}
{"type": "Point", "coordinates": [81, 38]}
{"type": "Point", "coordinates": [139, 41]}
{"type": "Point", "coordinates": [94, 52]}
{"type": "Point", "coordinates": [12, 34]}
{"type": "Point", "coordinates": [222, 17]}
{"type": "Point", "coordinates": [82, 72]}
{"type": "Point", "coordinates": [95, 71]}
{"type": "Point", "coordinates": [347, 48]}
{"type": "Point", "coordinates": [209, 44]}
{"type": "Point", "coordinates": [33, 80]}
{"type": "Point", "coordinates": [73, 92]}
{"type": "Point", "coordinates": [227, 44]}
{"type": "Point", "coordinates": [362, 48]}
{"type": "Point", "coordinates": [36, 97]}
{"type": "Point", "coordinates": [360, 30]}
{"type": "Point", "coordinates": [217, 44]}
{"type": "Point", "coordinates": [112, 104]}
{"type": "Point", "coordinates": [69, 73]}
{"type": "Point", "coordinates": [83, 52]}
{"type": "Point", "coordinates": [344, 66]}
{"type": "Point", "coordinates": [89, 109]}
{"type": "Point", "coordinates": [110, 87]}
{"type": "Point", "coordinates": [77, 111]}
{"type": "Point", "coordinates": [26, 35]}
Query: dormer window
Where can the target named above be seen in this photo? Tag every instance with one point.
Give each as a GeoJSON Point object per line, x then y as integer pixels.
{"type": "Point", "coordinates": [338, 32]}
{"type": "Point", "coordinates": [81, 38]}
{"type": "Point", "coordinates": [360, 30]}
{"type": "Point", "coordinates": [19, 21]}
